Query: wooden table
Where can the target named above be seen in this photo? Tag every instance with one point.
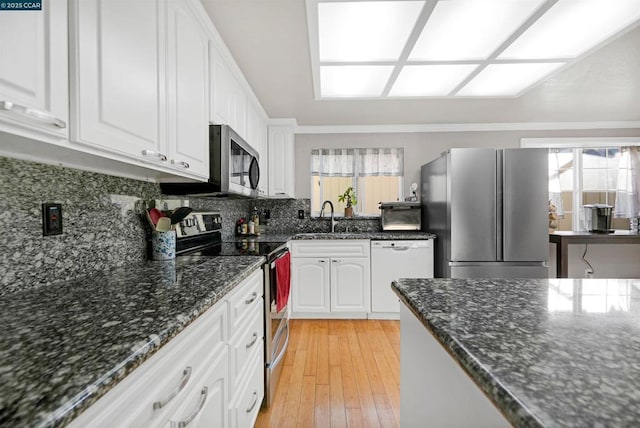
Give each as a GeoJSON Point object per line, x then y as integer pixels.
{"type": "Point", "coordinates": [564, 239]}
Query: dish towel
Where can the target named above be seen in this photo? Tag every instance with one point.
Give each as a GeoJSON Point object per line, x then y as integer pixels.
{"type": "Point", "coordinates": [283, 281]}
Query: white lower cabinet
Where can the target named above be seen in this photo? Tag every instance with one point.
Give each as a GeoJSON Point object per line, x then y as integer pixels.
{"type": "Point", "coordinates": [330, 278]}
{"type": "Point", "coordinates": [205, 404]}
{"type": "Point", "coordinates": [207, 376]}
{"type": "Point", "coordinates": [245, 406]}
{"type": "Point", "coordinates": [246, 347]}
{"type": "Point", "coordinates": [350, 284]}
{"type": "Point", "coordinates": [310, 283]}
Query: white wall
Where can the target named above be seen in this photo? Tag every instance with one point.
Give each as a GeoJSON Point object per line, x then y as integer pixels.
{"type": "Point", "coordinates": [419, 148]}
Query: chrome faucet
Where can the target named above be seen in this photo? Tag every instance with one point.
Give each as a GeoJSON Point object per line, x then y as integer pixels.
{"type": "Point", "coordinates": [333, 221]}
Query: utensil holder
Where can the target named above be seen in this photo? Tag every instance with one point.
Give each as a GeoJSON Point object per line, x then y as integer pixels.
{"type": "Point", "coordinates": [163, 245]}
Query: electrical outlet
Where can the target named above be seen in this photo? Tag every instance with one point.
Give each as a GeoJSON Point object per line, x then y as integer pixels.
{"type": "Point", "coordinates": [51, 219]}
{"type": "Point", "coordinates": [300, 214]}
{"type": "Point", "coordinates": [266, 214]}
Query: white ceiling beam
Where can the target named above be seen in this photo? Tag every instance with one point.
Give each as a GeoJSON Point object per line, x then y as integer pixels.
{"type": "Point", "coordinates": [425, 13]}
{"type": "Point", "coordinates": [544, 7]}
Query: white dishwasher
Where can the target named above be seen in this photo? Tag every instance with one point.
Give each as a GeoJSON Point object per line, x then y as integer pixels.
{"type": "Point", "coordinates": [392, 260]}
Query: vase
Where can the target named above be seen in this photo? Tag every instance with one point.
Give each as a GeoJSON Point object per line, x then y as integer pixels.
{"type": "Point", "coordinates": [348, 212]}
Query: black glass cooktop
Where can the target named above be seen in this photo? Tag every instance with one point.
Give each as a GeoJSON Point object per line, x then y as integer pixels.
{"type": "Point", "coordinates": [243, 248]}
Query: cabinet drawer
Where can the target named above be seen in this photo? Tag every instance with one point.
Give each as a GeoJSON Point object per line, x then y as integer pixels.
{"type": "Point", "coordinates": [244, 409]}
{"type": "Point", "coordinates": [243, 347]}
{"type": "Point", "coordinates": [245, 301]}
{"type": "Point", "coordinates": [330, 248]}
{"type": "Point", "coordinates": [163, 378]}
{"type": "Point", "coordinates": [205, 404]}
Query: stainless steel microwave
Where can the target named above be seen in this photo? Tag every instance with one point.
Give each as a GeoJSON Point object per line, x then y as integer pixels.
{"type": "Point", "coordinates": [234, 168]}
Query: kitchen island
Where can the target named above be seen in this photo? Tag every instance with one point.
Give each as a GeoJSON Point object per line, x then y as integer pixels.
{"type": "Point", "coordinates": [64, 345]}
{"type": "Point", "coordinates": [562, 240]}
{"type": "Point", "coordinates": [548, 353]}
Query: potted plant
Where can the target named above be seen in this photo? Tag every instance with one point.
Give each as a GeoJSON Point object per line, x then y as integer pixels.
{"type": "Point", "coordinates": [349, 198]}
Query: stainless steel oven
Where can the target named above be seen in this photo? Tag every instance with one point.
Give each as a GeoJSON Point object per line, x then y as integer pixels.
{"type": "Point", "coordinates": [276, 327]}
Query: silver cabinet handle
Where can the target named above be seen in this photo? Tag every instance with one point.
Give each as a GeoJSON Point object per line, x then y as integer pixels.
{"type": "Point", "coordinates": [191, 417]}
{"type": "Point", "coordinates": [160, 156]}
{"type": "Point", "coordinates": [253, 342]}
{"type": "Point", "coordinates": [183, 164]}
{"type": "Point", "coordinates": [321, 261]}
{"type": "Point", "coordinates": [335, 261]}
{"type": "Point", "coordinates": [253, 298]}
{"type": "Point", "coordinates": [33, 113]}
{"type": "Point", "coordinates": [255, 401]}
{"type": "Point", "coordinates": [186, 374]}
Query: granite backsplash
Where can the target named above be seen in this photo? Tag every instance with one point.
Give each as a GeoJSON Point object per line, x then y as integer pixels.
{"type": "Point", "coordinates": [103, 221]}
{"type": "Point", "coordinates": [283, 216]}
{"type": "Point", "coordinates": [103, 226]}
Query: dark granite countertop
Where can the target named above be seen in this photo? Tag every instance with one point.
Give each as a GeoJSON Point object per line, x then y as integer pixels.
{"type": "Point", "coordinates": [378, 235]}
{"type": "Point", "coordinates": [64, 345]}
{"type": "Point", "coordinates": [264, 237]}
{"type": "Point", "coordinates": [396, 235]}
{"type": "Point", "coordinates": [551, 353]}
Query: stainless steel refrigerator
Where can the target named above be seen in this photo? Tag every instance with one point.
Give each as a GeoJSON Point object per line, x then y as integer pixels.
{"type": "Point", "coordinates": [488, 209]}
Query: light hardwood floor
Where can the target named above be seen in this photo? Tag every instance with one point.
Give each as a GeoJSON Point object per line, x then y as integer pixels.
{"type": "Point", "coordinates": [338, 373]}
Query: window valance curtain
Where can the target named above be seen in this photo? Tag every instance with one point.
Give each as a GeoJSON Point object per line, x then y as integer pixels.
{"type": "Point", "coordinates": [357, 162]}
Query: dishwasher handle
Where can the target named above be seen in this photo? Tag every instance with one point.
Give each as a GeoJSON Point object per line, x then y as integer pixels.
{"type": "Point", "coordinates": [401, 245]}
{"type": "Point", "coordinates": [400, 248]}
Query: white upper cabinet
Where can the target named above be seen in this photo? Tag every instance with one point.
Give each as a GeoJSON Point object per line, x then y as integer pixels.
{"type": "Point", "coordinates": [281, 160]}
{"type": "Point", "coordinates": [117, 77]}
{"type": "Point", "coordinates": [257, 137]}
{"type": "Point", "coordinates": [228, 99]}
{"type": "Point", "coordinates": [34, 72]}
{"type": "Point", "coordinates": [139, 73]}
{"type": "Point", "coordinates": [188, 89]}
{"type": "Point", "coordinates": [122, 87]}
{"type": "Point", "coordinates": [221, 81]}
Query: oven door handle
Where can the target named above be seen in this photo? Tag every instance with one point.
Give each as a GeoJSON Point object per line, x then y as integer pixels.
{"type": "Point", "coordinates": [277, 256]}
{"type": "Point", "coordinates": [277, 359]}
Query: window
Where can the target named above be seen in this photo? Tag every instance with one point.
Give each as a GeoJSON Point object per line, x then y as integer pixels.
{"type": "Point", "coordinates": [596, 171]}
{"type": "Point", "coordinates": [376, 175]}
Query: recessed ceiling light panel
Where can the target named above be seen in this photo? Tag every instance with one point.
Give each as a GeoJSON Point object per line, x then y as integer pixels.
{"type": "Point", "coordinates": [506, 79]}
{"type": "Point", "coordinates": [429, 80]}
{"type": "Point", "coordinates": [366, 48]}
{"type": "Point", "coordinates": [365, 30]}
{"type": "Point", "coordinates": [470, 29]}
{"type": "Point", "coordinates": [572, 27]}
{"type": "Point", "coordinates": [353, 80]}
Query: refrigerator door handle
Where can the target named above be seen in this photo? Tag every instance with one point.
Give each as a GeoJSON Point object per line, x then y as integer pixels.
{"type": "Point", "coordinates": [499, 205]}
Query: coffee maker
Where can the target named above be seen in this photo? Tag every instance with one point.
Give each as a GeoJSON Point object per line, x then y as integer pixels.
{"type": "Point", "coordinates": [598, 218]}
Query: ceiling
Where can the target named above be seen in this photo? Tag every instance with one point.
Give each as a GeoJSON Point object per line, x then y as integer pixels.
{"type": "Point", "coordinates": [269, 41]}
